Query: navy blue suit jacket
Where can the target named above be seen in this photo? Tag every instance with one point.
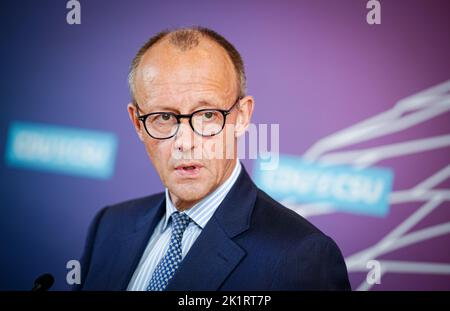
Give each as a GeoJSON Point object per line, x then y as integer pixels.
{"type": "Point", "coordinates": [251, 243]}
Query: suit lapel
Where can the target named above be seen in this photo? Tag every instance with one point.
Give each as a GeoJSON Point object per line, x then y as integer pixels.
{"type": "Point", "coordinates": [130, 249]}
{"type": "Point", "coordinates": [214, 254]}
{"type": "Point", "coordinates": [209, 261]}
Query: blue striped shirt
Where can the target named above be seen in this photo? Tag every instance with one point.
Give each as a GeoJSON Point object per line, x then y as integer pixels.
{"type": "Point", "coordinates": [158, 244]}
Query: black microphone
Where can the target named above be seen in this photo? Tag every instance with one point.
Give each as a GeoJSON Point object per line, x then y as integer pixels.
{"type": "Point", "coordinates": [43, 283]}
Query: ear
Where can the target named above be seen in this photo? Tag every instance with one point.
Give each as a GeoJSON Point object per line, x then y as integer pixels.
{"type": "Point", "coordinates": [245, 112]}
{"type": "Point", "coordinates": [132, 112]}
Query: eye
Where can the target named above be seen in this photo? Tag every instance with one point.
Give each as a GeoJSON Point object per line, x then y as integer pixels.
{"type": "Point", "coordinates": [165, 117]}
{"type": "Point", "coordinates": [161, 118]}
{"type": "Point", "coordinates": [208, 115]}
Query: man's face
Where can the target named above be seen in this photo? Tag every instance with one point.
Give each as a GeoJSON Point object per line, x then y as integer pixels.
{"type": "Point", "coordinates": [171, 80]}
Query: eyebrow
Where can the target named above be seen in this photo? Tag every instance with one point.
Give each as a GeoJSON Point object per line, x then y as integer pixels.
{"type": "Point", "coordinates": [202, 104]}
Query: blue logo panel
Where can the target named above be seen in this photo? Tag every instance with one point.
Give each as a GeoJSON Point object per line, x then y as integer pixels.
{"type": "Point", "coordinates": [345, 188]}
{"type": "Point", "coordinates": [61, 149]}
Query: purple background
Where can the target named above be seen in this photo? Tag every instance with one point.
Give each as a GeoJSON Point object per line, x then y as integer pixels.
{"type": "Point", "coordinates": [313, 66]}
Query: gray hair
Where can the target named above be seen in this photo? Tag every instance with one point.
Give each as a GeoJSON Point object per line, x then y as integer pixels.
{"type": "Point", "coordinates": [185, 39]}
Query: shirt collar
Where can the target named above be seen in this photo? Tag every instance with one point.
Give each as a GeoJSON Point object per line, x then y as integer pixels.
{"type": "Point", "coordinates": [202, 211]}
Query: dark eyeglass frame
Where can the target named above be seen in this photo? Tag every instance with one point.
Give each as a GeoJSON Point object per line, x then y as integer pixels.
{"type": "Point", "coordinates": [178, 117]}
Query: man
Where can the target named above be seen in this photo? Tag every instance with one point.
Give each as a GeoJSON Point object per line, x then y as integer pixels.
{"type": "Point", "coordinates": [212, 229]}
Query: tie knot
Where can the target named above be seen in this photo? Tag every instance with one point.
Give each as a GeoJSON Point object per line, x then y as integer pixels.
{"type": "Point", "coordinates": [180, 221]}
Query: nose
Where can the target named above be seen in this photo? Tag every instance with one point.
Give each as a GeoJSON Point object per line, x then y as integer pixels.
{"type": "Point", "coordinates": [185, 137]}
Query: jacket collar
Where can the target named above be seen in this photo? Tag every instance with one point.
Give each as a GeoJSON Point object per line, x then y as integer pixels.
{"type": "Point", "coordinates": [213, 255]}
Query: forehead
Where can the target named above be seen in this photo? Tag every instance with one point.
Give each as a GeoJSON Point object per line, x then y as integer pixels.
{"type": "Point", "coordinates": [168, 73]}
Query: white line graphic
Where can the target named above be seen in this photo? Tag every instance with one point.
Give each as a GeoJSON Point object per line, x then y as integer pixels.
{"type": "Point", "coordinates": [407, 113]}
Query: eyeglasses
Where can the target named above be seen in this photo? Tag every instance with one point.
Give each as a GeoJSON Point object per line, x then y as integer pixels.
{"type": "Point", "coordinates": [204, 122]}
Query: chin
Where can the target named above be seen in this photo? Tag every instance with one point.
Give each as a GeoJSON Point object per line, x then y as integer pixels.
{"type": "Point", "coordinates": [190, 192]}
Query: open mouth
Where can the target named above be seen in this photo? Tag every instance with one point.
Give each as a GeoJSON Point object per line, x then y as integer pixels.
{"type": "Point", "coordinates": [188, 170]}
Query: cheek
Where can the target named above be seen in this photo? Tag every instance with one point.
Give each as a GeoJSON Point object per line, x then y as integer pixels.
{"type": "Point", "coordinates": [220, 147]}
{"type": "Point", "coordinates": [159, 153]}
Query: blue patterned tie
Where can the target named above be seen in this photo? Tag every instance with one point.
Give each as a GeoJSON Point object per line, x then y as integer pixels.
{"type": "Point", "coordinates": [166, 268]}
